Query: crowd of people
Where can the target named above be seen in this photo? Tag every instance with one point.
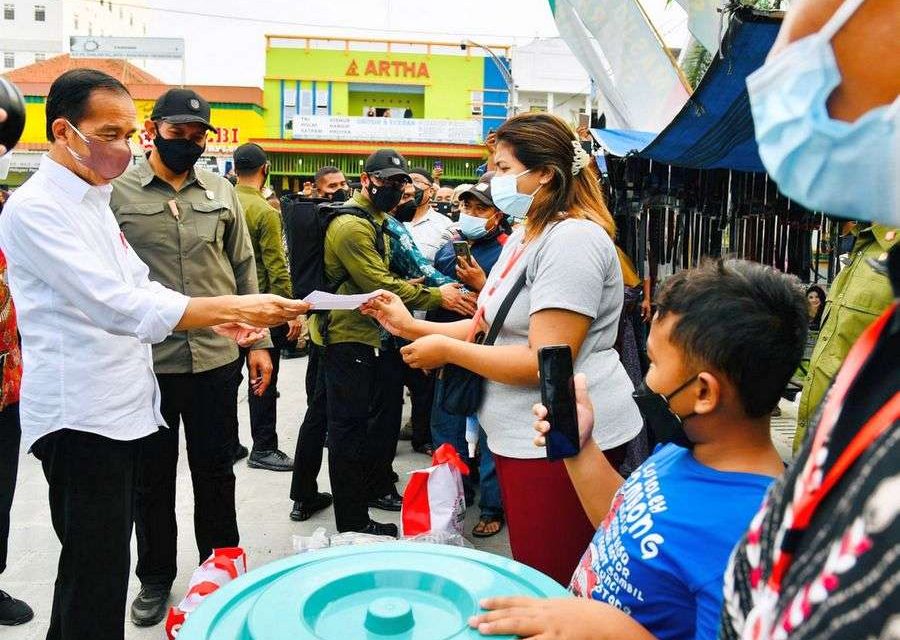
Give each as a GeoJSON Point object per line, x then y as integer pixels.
{"type": "Point", "coordinates": [676, 518]}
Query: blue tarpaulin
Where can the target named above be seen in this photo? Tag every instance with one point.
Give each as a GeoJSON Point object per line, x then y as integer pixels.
{"type": "Point", "coordinates": [714, 130]}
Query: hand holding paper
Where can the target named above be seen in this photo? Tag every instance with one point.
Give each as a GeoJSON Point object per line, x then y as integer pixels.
{"type": "Point", "coordinates": [323, 301]}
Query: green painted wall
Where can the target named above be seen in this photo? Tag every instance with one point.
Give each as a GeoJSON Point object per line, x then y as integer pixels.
{"type": "Point", "coordinates": [448, 86]}
{"type": "Point", "coordinates": [394, 101]}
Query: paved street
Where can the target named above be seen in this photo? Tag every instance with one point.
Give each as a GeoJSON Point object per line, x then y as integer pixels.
{"type": "Point", "coordinates": [263, 507]}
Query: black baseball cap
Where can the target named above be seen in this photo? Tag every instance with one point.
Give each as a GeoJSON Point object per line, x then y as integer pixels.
{"type": "Point", "coordinates": [386, 163]}
{"type": "Point", "coordinates": [181, 106]}
{"type": "Point", "coordinates": [481, 191]}
{"type": "Point", "coordinates": [249, 156]}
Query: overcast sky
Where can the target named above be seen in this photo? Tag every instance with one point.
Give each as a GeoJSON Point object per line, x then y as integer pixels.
{"type": "Point", "coordinates": [230, 49]}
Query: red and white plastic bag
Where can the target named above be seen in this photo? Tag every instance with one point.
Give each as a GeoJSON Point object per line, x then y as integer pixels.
{"type": "Point", "coordinates": [434, 501]}
{"type": "Point", "coordinates": [223, 566]}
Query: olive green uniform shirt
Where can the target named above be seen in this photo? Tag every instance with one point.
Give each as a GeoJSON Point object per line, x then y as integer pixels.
{"type": "Point", "coordinates": [351, 258]}
{"type": "Point", "coordinates": [264, 225]}
{"type": "Point", "coordinates": [194, 241]}
{"type": "Point", "coordinates": [857, 297]}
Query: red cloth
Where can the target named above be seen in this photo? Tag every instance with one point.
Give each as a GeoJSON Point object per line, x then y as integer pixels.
{"type": "Point", "coordinates": [9, 343]}
{"type": "Point", "coordinates": [548, 528]}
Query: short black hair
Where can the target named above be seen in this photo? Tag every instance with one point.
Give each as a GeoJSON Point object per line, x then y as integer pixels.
{"type": "Point", "coordinates": [70, 93]}
{"type": "Point", "coordinates": [425, 173]}
{"type": "Point", "coordinates": [324, 171]}
{"type": "Point", "coordinates": [745, 320]}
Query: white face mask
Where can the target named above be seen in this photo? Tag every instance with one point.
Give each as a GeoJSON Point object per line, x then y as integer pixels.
{"type": "Point", "coordinates": [506, 196]}
{"type": "Point", "coordinates": [847, 169]}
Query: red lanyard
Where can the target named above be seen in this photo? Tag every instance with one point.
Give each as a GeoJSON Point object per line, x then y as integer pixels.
{"type": "Point", "coordinates": [811, 493]}
{"type": "Point", "coordinates": [479, 315]}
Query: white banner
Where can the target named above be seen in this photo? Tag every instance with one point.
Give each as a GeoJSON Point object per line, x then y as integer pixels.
{"type": "Point", "coordinates": [639, 84]}
{"type": "Point", "coordinates": [96, 47]}
{"type": "Point", "coordinates": [703, 21]}
{"type": "Point", "coordinates": [386, 129]}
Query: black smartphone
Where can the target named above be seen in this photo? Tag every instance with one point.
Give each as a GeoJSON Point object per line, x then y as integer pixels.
{"type": "Point", "coordinates": [558, 395]}
{"type": "Point", "coordinates": [461, 249]}
{"type": "Point", "coordinates": [13, 103]}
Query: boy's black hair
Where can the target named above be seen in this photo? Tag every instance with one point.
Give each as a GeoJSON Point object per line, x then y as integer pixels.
{"type": "Point", "coordinates": [70, 93]}
{"type": "Point", "coordinates": [324, 171]}
{"type": "Point", "coordinates": [745, 320]}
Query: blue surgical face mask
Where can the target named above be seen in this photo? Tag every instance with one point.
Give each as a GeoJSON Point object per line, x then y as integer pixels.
{"type": "Point", "coordinates": [506, 196]}
{"type": "Point", "coordinates": [472, 227]}
{"type": "Point", "coordinates": [847, 169]}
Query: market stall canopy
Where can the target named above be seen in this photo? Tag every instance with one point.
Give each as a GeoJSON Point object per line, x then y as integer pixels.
{"type": "Point", "coordinates": [714, 130]}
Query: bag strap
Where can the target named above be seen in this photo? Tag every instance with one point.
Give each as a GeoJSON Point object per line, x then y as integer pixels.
{"type": "Point", "coordinates": [503, 311]}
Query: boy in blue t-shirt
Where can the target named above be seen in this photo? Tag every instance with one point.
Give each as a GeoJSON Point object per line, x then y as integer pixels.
{"type": "Point", "coordinates": [725, 340]}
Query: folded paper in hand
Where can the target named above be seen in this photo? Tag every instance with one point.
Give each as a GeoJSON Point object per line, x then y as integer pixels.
{"type": "Point", "coordinates": [323, 301]}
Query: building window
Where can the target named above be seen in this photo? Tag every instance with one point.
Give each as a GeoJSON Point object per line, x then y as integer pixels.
{"type": "Point", "coordinates": [9, 12]}
{"type": "Point", "coordinates": [477, 103]}
{"type": "Point", "coordinates": [110, 7]}
{"type": "Point", "coordinates": [9, 60]}
{"type": "Point", "coordinates": [40, 57]}
{"type": "Point", "coordinates": [90, 28]}
{"type": "Point", "coordinates": [40, 13]}
{"type": "Point", "coordinates": [131, 20]}
{"type": "Point", "coordinates": [75, 22]}
{"type": "Point", "coordinates": [321, 102]}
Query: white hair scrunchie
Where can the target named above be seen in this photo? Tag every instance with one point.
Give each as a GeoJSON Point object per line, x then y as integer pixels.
{"type": "Point", "coordinates": [581, 158]}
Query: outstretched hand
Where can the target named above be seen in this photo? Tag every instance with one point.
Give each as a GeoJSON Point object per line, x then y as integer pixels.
{"type": "Point", "coordinates": [389, 311]}
{"type": "Point", "coordinates": [244, 334]}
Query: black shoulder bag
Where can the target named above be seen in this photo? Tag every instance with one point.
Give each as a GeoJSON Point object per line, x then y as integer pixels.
{"type": "Point", "coordinates": [461, 389]}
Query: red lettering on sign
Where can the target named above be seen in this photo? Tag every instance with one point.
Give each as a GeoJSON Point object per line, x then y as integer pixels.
{"type": "Point", "coordinates": [221, 135]}
{"type": "Point", "coordinates": [234, 135]}
{"type": "Point", "coordinates": [390, 68]}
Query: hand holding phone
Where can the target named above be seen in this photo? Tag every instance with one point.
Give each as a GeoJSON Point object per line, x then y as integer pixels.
{"type": "Point", "coordinates": [558, 396]}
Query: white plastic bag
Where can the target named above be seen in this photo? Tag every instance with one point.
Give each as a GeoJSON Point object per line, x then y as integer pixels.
{"type": "Point", "coordinates": [434, 501]}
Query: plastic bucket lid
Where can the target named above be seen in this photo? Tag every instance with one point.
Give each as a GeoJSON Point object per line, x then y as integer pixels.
{"type": "Point", "coordinates": [407, 591]}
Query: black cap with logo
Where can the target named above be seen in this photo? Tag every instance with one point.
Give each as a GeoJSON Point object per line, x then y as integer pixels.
{"type": "Point", "coordinates": [182, 106]}
{"type": "Point", "coordinates": [249, 156]}
{"type": "Point", "coordinates": [386, 163]}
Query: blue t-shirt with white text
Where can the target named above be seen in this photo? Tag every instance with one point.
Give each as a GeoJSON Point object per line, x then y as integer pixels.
{"type": "Point", "coordinates": [661, 552]}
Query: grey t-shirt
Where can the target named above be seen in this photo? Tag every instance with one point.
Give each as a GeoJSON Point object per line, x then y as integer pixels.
{"type": "Point", "coordinates": [573, 266]}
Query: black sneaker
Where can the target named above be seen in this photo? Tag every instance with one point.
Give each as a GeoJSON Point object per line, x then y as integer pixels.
{"type": "Point", "coordinates": [13, 611]}
{"type": "Point", "coordinates": [150, 606]}
{"type": "Point", "coordinates": [305, 509]}
{"type": "Point", "coordinates": [381, 529]}
{"type": "Point", "coordinates": [270, 460]}
{"type": "Point", "coordinates": [391, 502]}
{"type": "Point", "coordinates": [240, 452]}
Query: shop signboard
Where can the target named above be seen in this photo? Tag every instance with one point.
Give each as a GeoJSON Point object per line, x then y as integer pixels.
{"type": "Point", "coordinates": [106, 47]}
{"type": "Point", "coordinates": [308, 127]}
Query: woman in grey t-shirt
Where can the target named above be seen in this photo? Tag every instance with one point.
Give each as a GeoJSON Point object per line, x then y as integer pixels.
{"type": "Point", "coordinates": [572, 295]}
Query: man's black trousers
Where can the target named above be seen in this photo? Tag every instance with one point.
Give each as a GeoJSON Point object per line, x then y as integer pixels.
{"type": "Point", "coordinates": [205, 402]}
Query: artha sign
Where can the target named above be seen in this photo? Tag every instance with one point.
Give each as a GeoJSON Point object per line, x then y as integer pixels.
{"type": "Point", "coordinates": [388, 69]}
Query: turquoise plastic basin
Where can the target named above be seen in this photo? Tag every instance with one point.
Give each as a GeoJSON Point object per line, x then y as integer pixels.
{"type": "Point", "coordinates": [393, 591]}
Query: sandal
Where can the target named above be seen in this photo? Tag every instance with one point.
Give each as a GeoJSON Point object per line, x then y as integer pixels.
{"type": "Point", "coordinates": [480, 530]}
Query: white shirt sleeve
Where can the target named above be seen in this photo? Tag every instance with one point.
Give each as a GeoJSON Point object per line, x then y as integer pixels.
{"type": "Point", "coordinates": [46, 246]}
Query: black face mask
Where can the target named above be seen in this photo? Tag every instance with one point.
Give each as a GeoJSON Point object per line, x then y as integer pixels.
{"type": "Point", "coordinates": [442, 207]}
{"type": "Point", "coordinates": [666, 425]}
{"type": "Point", "coordinates": [178, 154]}
{"type": "Point", "coordinates": [339, 196]}
{"type": "Point", "coordinates": [386, 197]}
{"type": "Point", "coordinates": [406, 211]}
{"type": "Point", "coordinates": [418, 197]}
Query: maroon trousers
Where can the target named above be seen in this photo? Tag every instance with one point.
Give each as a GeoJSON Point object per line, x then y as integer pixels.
{"type": "Point", "coordinates": [548, 528]}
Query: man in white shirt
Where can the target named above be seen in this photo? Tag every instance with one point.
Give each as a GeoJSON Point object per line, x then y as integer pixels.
{"type": "Point", "coordinates": [87, 315]}
{"type": "Point", "coordinates": [429, 228]}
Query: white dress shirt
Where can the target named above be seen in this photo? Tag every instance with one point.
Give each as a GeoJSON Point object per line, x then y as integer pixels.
{"type": "Point", "coordinates": [87, 311]}
{"type": "Point", "coordinates": [430, 233]}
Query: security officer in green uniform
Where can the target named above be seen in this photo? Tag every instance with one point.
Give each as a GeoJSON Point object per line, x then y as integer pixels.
{"type": "Point", "coordinates": [187, 225]}
{"type": "Point", "coordinates": [857, 297]}
{"type": "Point", "coordinates": [251, 165]}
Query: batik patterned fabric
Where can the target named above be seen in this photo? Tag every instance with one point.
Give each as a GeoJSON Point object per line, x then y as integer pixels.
{"type": "Point", "coordinates": [9, 344]}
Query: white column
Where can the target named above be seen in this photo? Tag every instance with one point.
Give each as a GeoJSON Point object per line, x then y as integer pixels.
{"type": "Point", "coordinates": [550, 104]}
{"type": "Point", "coordinates": [587, 103]}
